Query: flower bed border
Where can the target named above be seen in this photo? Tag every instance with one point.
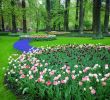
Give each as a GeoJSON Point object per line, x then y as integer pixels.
{"type": "Point", "coordinates": [13, 89]}
{"type": "Point", "coordinates": [39, 37]}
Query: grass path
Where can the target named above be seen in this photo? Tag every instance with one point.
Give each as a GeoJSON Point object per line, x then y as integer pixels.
{"type": "Point", "coordinates": [72, 40]}
{"type": "Point", "coordinates": [6, 49]}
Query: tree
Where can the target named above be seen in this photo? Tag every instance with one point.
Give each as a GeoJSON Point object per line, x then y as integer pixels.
{"type": "Point", "coordinates": [77, 14]}
{"type": "Point", "coordinates": [66, 15]}
{"type": "Point", "coordinates": [37, 21]}
{"type": "Point", "coordinates": [59, 13]}
{"type": "Point", "coordinates": [53, 13]}
{"type": "Point", "coordinates": [81, 17]}
{"type": "Point", "coordinates": [97, 18]}
{"type": "Point", "coordinates": [0, 15]}
{"type": "Point", "coordinates": [37, 16]}
{"type": "Point", "coordinates": [14, 29]}
{"type": "Point", "coordinates": [106, 19]}
{"type": "Point", "coordinates": [48, 22]}
{"type": "Point", "coordinates": [2, 28]}
{"type": "Point", "coordinates": [24, 16]}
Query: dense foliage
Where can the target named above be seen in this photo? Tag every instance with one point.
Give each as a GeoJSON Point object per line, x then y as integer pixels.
{"type": "Point", "coordinates": [62, 72]}
{"type": "Point", "coordinates": [65, 15]}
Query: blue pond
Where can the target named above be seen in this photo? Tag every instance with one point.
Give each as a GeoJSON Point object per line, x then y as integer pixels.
{"type": "Point", "coordinates": [23, 45]}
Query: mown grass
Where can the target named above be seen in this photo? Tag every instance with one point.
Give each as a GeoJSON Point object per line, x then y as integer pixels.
{"type": "Point", "coordinates": [6, 49]}
{"type": "Point", "coordinates": [71, 40]}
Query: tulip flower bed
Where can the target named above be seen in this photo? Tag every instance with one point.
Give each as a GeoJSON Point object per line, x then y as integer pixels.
{"type": "Point", "coordinates": [69, 72]}
{"type": "Point", "coordinates": [39, 37]}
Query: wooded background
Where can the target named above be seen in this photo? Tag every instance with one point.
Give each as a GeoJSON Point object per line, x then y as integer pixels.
{"type": "Point", "coordinates": [55, 15]}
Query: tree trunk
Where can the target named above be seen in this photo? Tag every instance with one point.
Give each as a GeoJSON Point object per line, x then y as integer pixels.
{"type": "Point", "coordinates": [0, 15]}
{"type": "Point", "coordinates": [2, 28]}
{"type": "Point", "coordinates": [81, 18]}
{"type": "Point", "coordinates": [93, 17]}
{"type": "Point", "coordinates": [59, 27]}
{"type": "Point", "coordinates": [37, 21]}
{"type": "Point", "coordinates": [24, 16]}
{"type": "Point", "coordinates": [48, 22]}
{"type": "Point", "coordinates": [77, 14]}
{"type": "Point", "coordinates": [14, 29]}
{"type": "Point", "coordinates": [66, 15]}
{"type": "Point", "coordinates": [54, 26]}
{"type": "Point", "coordinates": [106, 20]}
{"type": "Point", "coordinates": [97, 18]}
{"type": "Point", "coordinates": [59, 12]}
{"type": "Point", "coordinates": [37, 26]}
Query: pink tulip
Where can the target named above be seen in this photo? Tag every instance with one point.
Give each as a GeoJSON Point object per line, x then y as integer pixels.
{"type": "Point", "coordinates": [63, 81]}
{"type": "Point", "coordinates": [56, 78]}
{"type": "Point", "coordinates": [95, 75]}
{"type": "Point", "coordinates": [68, 67]}
{"type": "Point", "coordinates": [31, 77]}
{"type": "Point", "coordinates": [55, 83]}
{"type": "Point", "coordinates": [68, 71]}
{"type": "Point", "coordinates": [93, 91]}
{"type": "Point", "coordinates": [21, 72]}
{"type": "Point", "coordinates": [41, 73]}
{"type": "Point", "coordinates": [33, 68]}
{"type": "Point", "coordinates": [86, 69]}
{"type": "Point", "coordinates": [27, 66]}
{"type": "Point", "coordinates": [52, 73]}
{"type": "Point", "coordinates": [73, 77]}
{"type": "Point", "coordinates": [80, 83]}
{"type": "Point", "coordinates": [59, 76]}
{"type": "Point", "coordinates": [48, 83]}
{"type": "Point", "coordinates": [39, 80]}
{"type": "Point", "coordinates": [23, 76]}
{"type": "Point", "coordinates": [37, 64]}
{"type": "Point", "coordinates": [86, 78]}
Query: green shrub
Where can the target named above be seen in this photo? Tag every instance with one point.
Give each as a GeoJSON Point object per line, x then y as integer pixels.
{"type": "Point", "coordinates": [4, 33]}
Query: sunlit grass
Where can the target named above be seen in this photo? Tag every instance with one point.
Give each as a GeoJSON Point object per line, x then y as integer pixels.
{"type": "Point", "coordinates": [71, 40]}
{"type": "Point", "coordinates": [6, 49]}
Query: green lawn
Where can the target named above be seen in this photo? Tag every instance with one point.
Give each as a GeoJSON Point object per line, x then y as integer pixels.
{"type": "Point", "coordinates": [6, 49]}
{"type": "Point", "coordinates": [71, 40]}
